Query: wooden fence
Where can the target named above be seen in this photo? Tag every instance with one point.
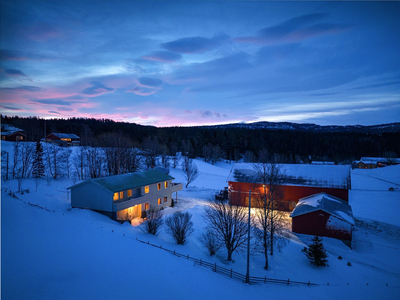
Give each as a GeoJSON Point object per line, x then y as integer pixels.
{"type": "Point", "coordinates": [229, 272]}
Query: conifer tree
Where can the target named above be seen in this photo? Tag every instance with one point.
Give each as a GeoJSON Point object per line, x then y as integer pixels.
{"type": "Point", "coordinates": [316, 252]}
{"type": "Point", "coordinates": [38, 166]}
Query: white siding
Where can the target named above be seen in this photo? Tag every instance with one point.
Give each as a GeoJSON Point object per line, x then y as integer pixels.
{"type": "Point", "coordinates": [89, 195]}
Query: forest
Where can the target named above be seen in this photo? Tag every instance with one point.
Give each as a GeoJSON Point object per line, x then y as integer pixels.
{"type": "Point", "coordinates": [215, 142]}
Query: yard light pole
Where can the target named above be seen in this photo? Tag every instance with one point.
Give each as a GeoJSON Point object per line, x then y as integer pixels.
{"type": "Point", "coordinates": [248, 243]}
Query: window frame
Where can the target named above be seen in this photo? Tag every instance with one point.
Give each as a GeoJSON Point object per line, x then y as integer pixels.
{"type": "Point", "coordinates": [129, 192]}
{"type": "Point", "coordinates": [165, 199]}
{"type": "Point", "coordinates": [147, 206]}
{"type": "Point", "coordinates": [159, 201]}
{"type": "Point", "coordinates": [166, 184]}
{"type": "Point", "coordinates": [159, 186]}
{"type": "Point", "coordinates": [147, 189]}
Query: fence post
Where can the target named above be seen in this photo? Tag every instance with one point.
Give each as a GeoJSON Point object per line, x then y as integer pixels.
{"type": "Point", "coordinates": [288, 281]}
{"type": "Point", "coordinates": [308, 283]}
{"type": "Point", "coordinates": [231, 273]}
{"type": "Point", "coordinates": [174, 252]}
{"type": "Point", "coordinates": [265, 280]}
{"type": "Point", "coordinates": [188, 256]}
{"type": "Point", "coordinates": [200, 261]}
{"type": "Point", "coordinates": [215, 269]}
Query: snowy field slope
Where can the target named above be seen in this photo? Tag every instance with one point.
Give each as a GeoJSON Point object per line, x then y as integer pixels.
{"type": "Point", "coordinates": [370, 197]}
{"type": "Point", "coordinates": [64, 253]}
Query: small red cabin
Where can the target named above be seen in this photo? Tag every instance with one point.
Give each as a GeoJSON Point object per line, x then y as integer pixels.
{"type": "Point", "coordinates": [64, 139]}
{"type": "Point", "coordinates": [323, 215]}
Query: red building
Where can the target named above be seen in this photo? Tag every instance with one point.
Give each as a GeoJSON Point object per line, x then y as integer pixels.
{"type": "Point", "coordinates": [64, 139]}
{"type": "Point", "coordinates": [299, 181]}
{"type": "Point", "coordinates": [323, 215]}
{"type": "Point", "coordinates": [12, 134]}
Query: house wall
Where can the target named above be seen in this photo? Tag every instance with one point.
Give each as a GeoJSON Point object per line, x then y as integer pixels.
{"type": "Point", "coordinates": [92, 196]}
{"type": "Point", "coordinates": [322, 223]}
{"type": "Point", "coordinates": [14, 137]}
{"type": "Point", "coordinates": [154, 194]}
{"type": "Point", "coordinates": [290, 193]}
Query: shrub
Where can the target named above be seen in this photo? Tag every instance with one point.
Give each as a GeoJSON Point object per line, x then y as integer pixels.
{"type": "Point", "coordinates": [316, 252]}
{"type": "Point", "coordinates": [153, 223]}
{"type": "Point", "coordinates": [340, 258]}
{"type": "Point", "coordinates": [172, 203]}
{"type": "Point", "coordinates": [180, 226]}
{"type": "Point", "coordinates": [210, 241]}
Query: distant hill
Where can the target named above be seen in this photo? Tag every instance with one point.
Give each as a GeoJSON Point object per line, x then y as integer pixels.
{"type": "Point", "coordinates": [375, 129]}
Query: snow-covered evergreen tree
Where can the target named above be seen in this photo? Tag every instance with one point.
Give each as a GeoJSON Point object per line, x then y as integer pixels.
{"type": "Point", "coordinates": [316, 252]}
{"type": "Point", "coordinates": [38, 165]}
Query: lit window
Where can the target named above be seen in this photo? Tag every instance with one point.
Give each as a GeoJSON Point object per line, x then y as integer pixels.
{"type": "Point", "coordinates": [146, 206]}
{"type": "Point", "coordinates": [158, 186]}
{"type": "Point", "coordinates": [121, 195]}
{"type": "Point", "coordinates": [166, 184]}
{"type": "Point", "coordinates": [159, 201]}
{"type": "Point", "coordinates": [116, 196]}
{"type": "Point", "coordinates": [165, 199]}
{"type": "Point", "coordinates": [129, 193]}
{"type": "Point", "coordinates": [146, 189]}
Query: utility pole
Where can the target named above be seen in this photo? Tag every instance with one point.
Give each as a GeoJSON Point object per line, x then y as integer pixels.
{"type": "Point", "coordinates": [248, 243]}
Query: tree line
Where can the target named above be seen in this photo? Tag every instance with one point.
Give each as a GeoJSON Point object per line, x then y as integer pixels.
{"type": "Point", "coordinates": [213, 143]}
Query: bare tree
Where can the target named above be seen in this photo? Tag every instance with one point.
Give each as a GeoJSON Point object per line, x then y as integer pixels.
{"type": "Point", "coordinates": [53, 157]}
{"type": "Point", "coordinates": [67, 155]}
{"type": "Point", "coordinates": [228, 224]}
{"type": "Point", "coordinates": [216, 154]}
{"type": "Point", "coordinates": [207, 152]}
{"type": "Point", "coordinates": [270, 227]}
{"type": "Point", "coordinates": [190, 170]}
{"type": "Point", "coordinates": [179, 226]}
{"type": "Point", "coordinates": [210, 241]}
{"type": "Point", "coordinates": [153, 223]}
{"type": "Point", "coordinates": [94, 157]}
{"type": "Point", "coordinates": [174, 155]}
{"type": "Point", "coordinates": [15, 160]}
{"type": "Point", "coordinates": [80, 163]}
{"type": "Point", "coordinates": [150, 148]}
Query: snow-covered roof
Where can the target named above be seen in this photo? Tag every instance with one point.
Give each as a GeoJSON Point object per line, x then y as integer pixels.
{"type": "Point", "coordinates": [7, 129]}
{"type": "Point", "coordinates": [299, 174]}
{"type": "Point", "coordinates": [378, 159]}
{"type": "Point", "coordinates": [328, 203]}
{"type": "Point", "coordinates": [127, 181]}
{"type": "Point", "coordinates": [66, 135]}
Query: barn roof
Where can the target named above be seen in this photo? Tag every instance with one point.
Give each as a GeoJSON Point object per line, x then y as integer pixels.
{"type": "Point", "coordinates": [127, 181]}
{"type": "Point", "coordinates": [7, 129]}
{"type": "Point", "coordinates": [66, 135]}
{"type": "Point", "coordinates": [328, 203]}
{"type": "Point", "coordinates": [298, 174]}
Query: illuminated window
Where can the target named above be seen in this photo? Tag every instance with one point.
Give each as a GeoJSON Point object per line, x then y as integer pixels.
{"type": "Point", "coordinates": [146, 206]}
{"type": "Point", "coordinates": [146, 189]}
{"type": "Point", "coordinates": [166, 184]}
{"type": "Point", "coordinates": [158, 186]}
{"type": "Point", "coordinates": [159, 201]}
{"type": "Point", "coordinates": [116, 196]}
{"type": "Point", "coordinates": [165, 199]}
{"type": "Point", "coordinates": [121, 195]}
{"type": "Point", "coordinates": [129, 193]}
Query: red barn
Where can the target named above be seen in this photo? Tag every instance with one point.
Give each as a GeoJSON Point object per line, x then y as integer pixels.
{"type": "Point", "coordinates": [12, 134]}
{"type": "Point", "coordinates": [64, 139]}
{"type": "Point", "coordinates": [298, 181]}
{"type": "Point", "coordinates": [323, 215]}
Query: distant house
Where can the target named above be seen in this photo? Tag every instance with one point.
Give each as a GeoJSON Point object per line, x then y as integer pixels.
{"type": "Point", "coordinates": [126, 196]}
{"type": "Point", "coordinates": [298, 181]}
{"type": "Point", "coordinates": [64, 139]}
{"type": "Point", "coordinates": [323, 215]}
{"type": "Point", "coordinates": [375, 162]}
{"type": "Point", "coordinates": [12, 134]}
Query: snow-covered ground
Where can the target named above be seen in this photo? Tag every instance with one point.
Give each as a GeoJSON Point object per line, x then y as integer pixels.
{"type": "Point", "coordinates": [61, 253]}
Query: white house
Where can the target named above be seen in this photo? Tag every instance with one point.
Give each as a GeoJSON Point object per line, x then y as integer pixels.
{"type": "Point", "coordinates": [126, 196]}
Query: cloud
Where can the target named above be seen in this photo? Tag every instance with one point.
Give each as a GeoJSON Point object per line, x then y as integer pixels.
{"type": "Point", "coordinates": [11, 108]}
{"type": "Point", "coordinates": [142, 91]}
{"type": "Point", "coordinates": [377, 85]}
{"type": "Point", "coordinates": [67, 101]}
{"type": "Point", "coordinates": [147, 86]}
{"type": "Point", "coordinates": [65, 109]}
{"type": "Point", "coordinates": [14, 73]}
{"type": "Point", "coordinates": [42, 32]}
{"type": "Point", "coordinates": [210, 114]}
{"type": "Point", "coordinates": [150, 82]}
{"type": "Point", "coordinates": [27, 88]}
{"type": "Point", "coordinates": [97, 89]}
{"type": "Point", "coordinates": [54, 112]}
{"type": "Point", "coordinates": [10, 55]}
{"type": "Point", "coordinates": [163, 56]}
{"type": "Point", "coordinates": [192, 45]}
{"type": "Point", "coordinates": [295, 30]}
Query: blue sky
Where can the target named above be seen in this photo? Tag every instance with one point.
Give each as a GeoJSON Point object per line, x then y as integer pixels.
{"type": "Point", "coordinates": [202, 62]}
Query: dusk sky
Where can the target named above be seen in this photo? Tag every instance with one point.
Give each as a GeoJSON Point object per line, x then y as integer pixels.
{"type": "Point", "coordinates": [202, 62]}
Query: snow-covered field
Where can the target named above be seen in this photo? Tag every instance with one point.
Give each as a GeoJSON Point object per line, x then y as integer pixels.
{"type": "Point", "coordinates": [64, 253]}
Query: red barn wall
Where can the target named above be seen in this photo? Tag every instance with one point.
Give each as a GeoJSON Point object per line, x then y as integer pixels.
{"type": "Point", "coordinates": [290, 193]}
{"type": "Point", "coordinates": [314, 223]}
{"type": "Point", "coordinates": [52, 137]}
